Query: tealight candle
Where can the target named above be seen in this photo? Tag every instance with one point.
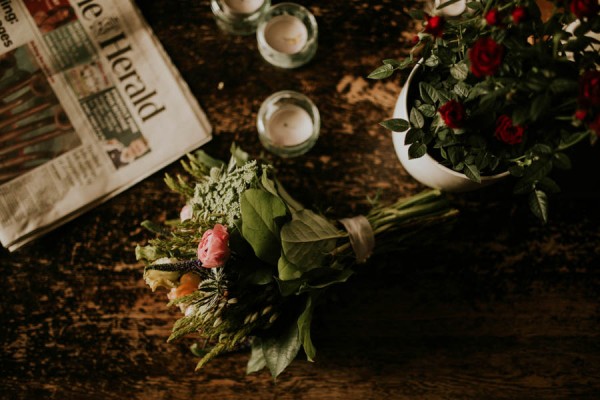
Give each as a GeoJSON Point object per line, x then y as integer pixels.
{"type": "Point", "coordinates": [451, 10]}
{"type": "Point", "coordinates": [288, 123]}
{"type": "Point", "coordinates": [243, 6]}
{"type": "Point", "coordinates": [240, 17]}
{"type": "Point", "coordinates": [291, 125]}
{"type": "Point", "coordinates": [286, 34]}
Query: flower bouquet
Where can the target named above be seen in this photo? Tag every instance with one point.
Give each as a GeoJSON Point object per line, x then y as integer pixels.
{"type": "Point", "coordinates": [503, 87]}
{"type": "Point", "coordinates": [247, 263]}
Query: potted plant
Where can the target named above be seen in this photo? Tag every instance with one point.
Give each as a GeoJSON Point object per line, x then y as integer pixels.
{"type": "Point", "coordinates": [500, 88]}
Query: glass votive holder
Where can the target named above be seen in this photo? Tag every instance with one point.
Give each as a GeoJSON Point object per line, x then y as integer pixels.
{"type": "Point", "coordinates": [288, 123]}
{"type": "Point", "coordinates": [287, 35]}
{"type": "Point", "coordinates": [239, 17]}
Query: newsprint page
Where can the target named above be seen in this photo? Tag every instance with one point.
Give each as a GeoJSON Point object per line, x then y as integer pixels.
{"type": "Point", "coordinates": [90, 104]}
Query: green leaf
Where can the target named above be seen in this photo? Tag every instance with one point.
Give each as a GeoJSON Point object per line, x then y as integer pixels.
{"type": "Point", "coordinates": [416, 118]}
{"type": "Point", "coordinates": [516, 171]}
{"type": "Point", "coordinates": [538, 169]}
{"type": "Point", "coordinates": [432, 61]}
{"type": "Point", "coordinates": [318, 278]}
{"type": "Point", "coordinates": [462, 89]}
{"type": "Point", "coordinates": [540, 148]}
{"type": "Point", "coordinates": [472, 172]}
{"type": "Point", "coordinates": [459, 71]}
{"type": "Point", "coordinates": [307, 239]}
{"type": "Point", "coordinates": [287, 271]}
{"type": "Point", "coordinates": [382, 72]}
{"type": "Point", "coordinates": [427, 110]}
{"type": "Point", "coordinates": [563, 85]}
{"type": "Point", "coordinates": [281, 350]}
{"type": "Point", "coordinates": [561, 161]}
{"type": "Point", "coordinates": [304, 322]}
{"type": "Point", "coordinates": [523, 186]}
{"type": "Point", "coordinates": [538, 203]}
{"type": "Point", "coordinates": [260, 211]}
{"type": "Point", "coordinates": [540, 104]}
{"type": "Point", "coordinates": [428, 93]}
{"type": "Point", "coordinates": [257, 357]}
{"type": "Point", "coordinates": [393, 62]}
{"type": "Point", "coordinates": [395, 124]}
{"type": "Point", "coordinates": [548, 185]}
{"type": "Point", "coordinates": [413, 135]}
{"type": "Point", "coordinates": [417, 150]}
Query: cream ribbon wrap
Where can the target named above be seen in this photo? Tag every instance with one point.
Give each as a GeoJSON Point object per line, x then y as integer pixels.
{"type": "Point", "coordinates": [361, 236]}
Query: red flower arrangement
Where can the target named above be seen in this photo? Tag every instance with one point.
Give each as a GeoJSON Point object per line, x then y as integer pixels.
{"type": "Point", "coordinates": [501, 89]}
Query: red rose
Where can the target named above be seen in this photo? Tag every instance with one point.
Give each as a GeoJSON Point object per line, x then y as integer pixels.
{"type": "Point", "coordinates": [485, 57]}
{"type": "Point", "coordinates": [584, 8]}
{"type": "Point", "coordinates": [493, 17]}
{"type": "Point", "coordinates": [213, 249]}
{"type": "Point", "coordinates": [507, 132]}
{"type": "Point", "coordinates": [434, 25]}
{"type": "Point", "coordinates": [589, 88]}
{"type": "Point", "coordinates": [595, 125]}
{"type": "Point", "coordinates": [519, 14]}
{"type": "Point", "coordinates": [416, 40]}
{"type": "Point", "coordinates": [453, 114]}
{"type": "Point", "coordinates": [581, 114]}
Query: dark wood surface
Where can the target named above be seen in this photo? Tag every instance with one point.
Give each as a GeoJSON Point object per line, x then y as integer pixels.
{"type": "Point", "coordinates": [499, 308]}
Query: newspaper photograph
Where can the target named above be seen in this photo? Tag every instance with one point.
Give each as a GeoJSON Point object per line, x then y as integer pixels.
{"type": "Point", "coordinates": [90, 104]}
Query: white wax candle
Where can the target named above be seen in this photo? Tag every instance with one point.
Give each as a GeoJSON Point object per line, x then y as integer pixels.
{"type": "Point", "coordinates": [452, 10]}
{"type": "Point", "coordinates": [286, 34]}
{"type": "Point", "coordinates": [289, 126]}
{"type": "Point", "coordinates": [243, 6]}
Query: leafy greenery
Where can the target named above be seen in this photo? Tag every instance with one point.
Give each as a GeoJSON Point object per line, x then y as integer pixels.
{"type": "Point", "coordinates": [538, 84]}
{"type": "Point", "coordinates": [282, 257]}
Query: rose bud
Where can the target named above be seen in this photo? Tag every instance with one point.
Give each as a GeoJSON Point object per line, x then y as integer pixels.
{"type": "Point", "coordinates": [434, 25]}
{"type": "Point", "coordinates": [493, 17]}
{"type": "Point", "coordinates": [519, 14]}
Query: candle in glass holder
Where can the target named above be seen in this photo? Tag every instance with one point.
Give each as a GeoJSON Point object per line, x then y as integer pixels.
{"type": "Point", "coordinates": [288, 123]}
{"type": "Point", "coordinates": [286, 34]}
{"type": "Point", "coordinates": [243, 6]}
{"type": "Point", "coordinates": [451, 10]}
{"type": "Point", "coordinates": [291, 125]}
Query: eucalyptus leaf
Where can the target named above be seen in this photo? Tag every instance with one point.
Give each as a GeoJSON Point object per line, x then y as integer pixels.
{"type": "Point", "coordinates": [280, 351]}
{"type": "Point", "coordinates": [260, 211]}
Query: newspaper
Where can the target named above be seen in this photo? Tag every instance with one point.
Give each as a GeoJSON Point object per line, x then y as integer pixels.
{"type": "Point", "coordinates": [90, 104]}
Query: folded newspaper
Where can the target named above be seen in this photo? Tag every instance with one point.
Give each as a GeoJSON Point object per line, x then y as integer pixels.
{"type": "Point", "coordinates": [90, 104]}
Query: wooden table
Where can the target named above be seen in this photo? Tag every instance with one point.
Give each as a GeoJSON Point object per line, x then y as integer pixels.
{"type": "Point", "coordinates": [500, 308]}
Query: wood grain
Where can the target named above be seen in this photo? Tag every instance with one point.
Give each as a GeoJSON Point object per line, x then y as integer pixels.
{"type": "Point", "coordinates": [497, 308]}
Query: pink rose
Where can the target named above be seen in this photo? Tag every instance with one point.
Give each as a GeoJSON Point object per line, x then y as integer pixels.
{"type": "Point", "coordinates": [213, 250]}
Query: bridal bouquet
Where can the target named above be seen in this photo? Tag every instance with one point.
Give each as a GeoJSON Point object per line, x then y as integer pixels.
{"type": "Point", "coordinates": [246, 263]}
